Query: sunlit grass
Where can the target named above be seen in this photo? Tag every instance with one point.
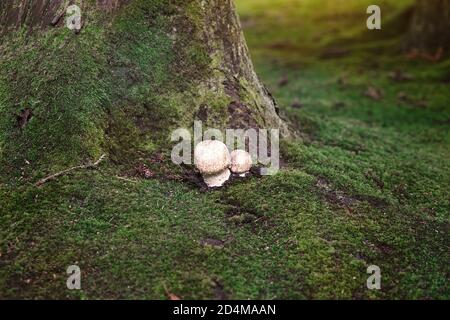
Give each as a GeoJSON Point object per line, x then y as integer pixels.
{"type": "Point", "coordinates": [296, 29]}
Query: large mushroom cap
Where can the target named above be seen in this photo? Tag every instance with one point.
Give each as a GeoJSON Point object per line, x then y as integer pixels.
{"type": "Point", "coordinates": [241, 161]}
{"type": "Point", "coordinates": [211, 157]}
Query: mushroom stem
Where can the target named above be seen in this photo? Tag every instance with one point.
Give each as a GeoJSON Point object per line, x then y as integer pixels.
{"type": "Point", "coordinates": [218, 179]}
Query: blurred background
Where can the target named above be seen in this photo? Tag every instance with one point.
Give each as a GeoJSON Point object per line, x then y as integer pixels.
{"type": "Point", "coordinates": [300, 29]}
{"type": "Point", "coordinates": [320, 60]}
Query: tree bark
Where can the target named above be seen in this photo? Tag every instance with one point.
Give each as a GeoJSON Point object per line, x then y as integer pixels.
{"type": "Point", "coordinates": [219, 28]}
{"type": "Point", "coordinates": [42, 13]}
{"type": "Point", "coordinates": [201, 71]}
{"type": "Point", "coordinates": [430, 28]}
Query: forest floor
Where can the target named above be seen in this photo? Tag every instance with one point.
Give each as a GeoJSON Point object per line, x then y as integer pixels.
{"type": "Point", "coordinates": [367, 184]}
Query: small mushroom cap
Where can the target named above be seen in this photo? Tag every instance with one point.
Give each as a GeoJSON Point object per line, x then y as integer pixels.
{"type": "Point", "coordinates": [211, 157]}
{"type": "Point", "coordinates": [241, 161]}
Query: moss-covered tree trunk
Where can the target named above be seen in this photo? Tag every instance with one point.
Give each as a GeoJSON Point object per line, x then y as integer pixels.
{"type": "Point", "coordinates": [137, 70]}
{"type": "Point", "coordinates": [430, 28]}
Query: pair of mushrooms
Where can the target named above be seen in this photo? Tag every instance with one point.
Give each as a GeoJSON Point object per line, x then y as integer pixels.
{"type": "Point", "coordinates": [214, 162]}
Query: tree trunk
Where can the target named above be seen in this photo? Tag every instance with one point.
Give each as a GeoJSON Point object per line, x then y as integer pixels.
{"type": "Point", "coordinates": [137, 70]}
{"type": "Point", "coordinates": [430, 29]}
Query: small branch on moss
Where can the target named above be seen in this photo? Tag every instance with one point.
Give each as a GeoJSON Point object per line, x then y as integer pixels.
{"type": "Point", "coordinates": [125, 179]}
{"type": "Point", "coordinates": [64, 172]}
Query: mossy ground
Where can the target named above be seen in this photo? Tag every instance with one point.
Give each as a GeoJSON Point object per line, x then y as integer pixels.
{"type": "Point", "coordinates": [368, 184]}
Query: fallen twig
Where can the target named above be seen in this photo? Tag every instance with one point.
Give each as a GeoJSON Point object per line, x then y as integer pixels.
{"type": "Point", "coordinates": [64, 172]}
{"type": "Point", "coordinates": [125, 179]}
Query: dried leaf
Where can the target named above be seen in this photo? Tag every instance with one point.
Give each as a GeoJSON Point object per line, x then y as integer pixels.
{"type": "Point", "coordinates": [296, 104]}
{"type": "Point", "coordinates": [400, 76]}
{"type": "Point", "coordinates": [374, 93]}
{"type": "Point", "coordinates": [284, 80]}
{"type": "Point", "coordinates": [170, 295]}
{"type": "Point", "coordinates": [212, 242]}
{"type": "Point", "coordinates": [403, 96]}
{"type": "Point", "coordinates": [143, 171]}
{"type": "Point", "coordinates": [173, 297]}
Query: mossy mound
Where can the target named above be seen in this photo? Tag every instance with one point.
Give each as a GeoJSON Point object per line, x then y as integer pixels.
{"type": "Point", "coordinates": [122, 84]}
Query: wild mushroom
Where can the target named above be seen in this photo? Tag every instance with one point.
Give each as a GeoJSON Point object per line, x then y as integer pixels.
{"type": "Point", "coordinates": [212, 159]}
{"type": "Point", "coordinates": [241, 162]}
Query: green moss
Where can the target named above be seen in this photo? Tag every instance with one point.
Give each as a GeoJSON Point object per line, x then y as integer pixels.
{"type": "Point", "coordinates": [368, 183]}
{"type": "Point", "coordinates": [379, 166]}
{"type": "Point", "coordinates": [61, 78]}
{"type": "Point", "coordinates": [77, 86]}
